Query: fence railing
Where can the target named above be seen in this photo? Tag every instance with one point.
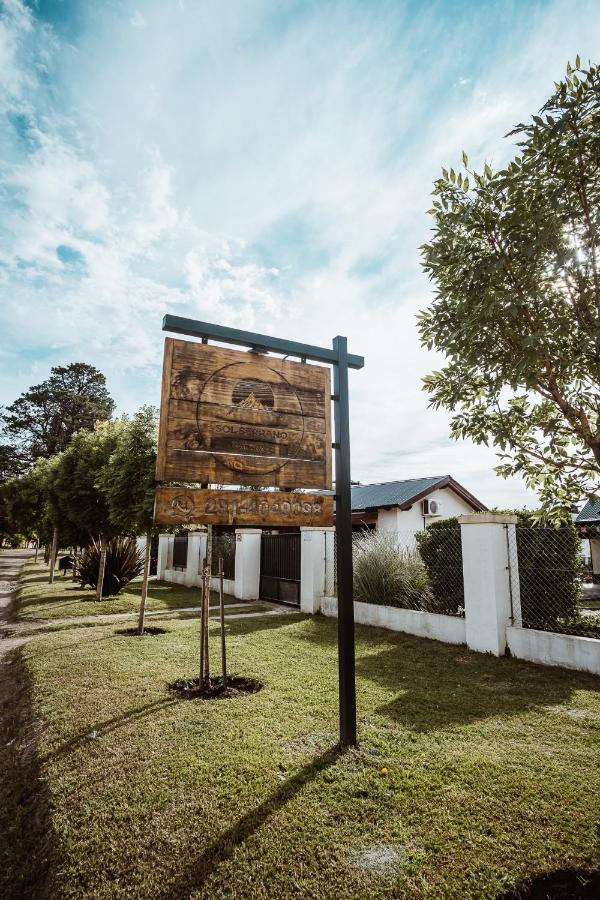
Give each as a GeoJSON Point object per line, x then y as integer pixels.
{"type": "Point", "coordinates": [546, 581]}
{"type": "Point", "coordinates": [421, 571]}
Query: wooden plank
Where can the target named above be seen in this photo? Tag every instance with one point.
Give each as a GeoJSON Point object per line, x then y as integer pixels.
{"type": "Point", "coordinates": [243, 419]}
{"type": "Point", "coordinates": [206, 359]}
{"type": "Point", "coordinates": [161, 456]}
{"type": "Point", "coordinates": [199, 506]}
{"type": "Point", "coordinates": [254, 471]}
{"type": "Point", "coordinates": [188, 411]}
{"type": "Point", "coordinates": [253, 440]}
{"type": "Point", "coordinates": [294, 399]}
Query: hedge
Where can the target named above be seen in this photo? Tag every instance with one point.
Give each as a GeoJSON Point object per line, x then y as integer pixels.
{"type": "Point", "coordinates": [549, 568]}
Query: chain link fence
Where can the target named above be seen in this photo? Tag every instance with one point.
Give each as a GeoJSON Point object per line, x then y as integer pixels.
{"type": "Point", "coordinates": [546, 569]}
{"type": "Point", "coordinates": [421, 571]}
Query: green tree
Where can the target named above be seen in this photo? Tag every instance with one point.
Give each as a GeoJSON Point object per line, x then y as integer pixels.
{"type": "Point", "coordinates": [76, 484]}
{"type": "Point", "coordinates": [127, 482]}
{"type": "Point", "coordinates": [515, 259]}
{"type": "Point", "coordinates": [43, 419]}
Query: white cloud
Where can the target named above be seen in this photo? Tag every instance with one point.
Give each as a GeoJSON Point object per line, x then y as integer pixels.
{"type": "Point", "coordinates": [137, 20]}
{"type": "Point", "coordinates": [234, 165]}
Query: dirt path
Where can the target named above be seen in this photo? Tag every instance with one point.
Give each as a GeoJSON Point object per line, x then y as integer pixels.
{"type": "Point", "coordinates": [11, 563]}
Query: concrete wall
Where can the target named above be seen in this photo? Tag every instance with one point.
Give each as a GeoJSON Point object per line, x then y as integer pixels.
{"type": "Point", "coordinates": [450, 629]}
{"type": "Point", "coordinates": [551, 649]}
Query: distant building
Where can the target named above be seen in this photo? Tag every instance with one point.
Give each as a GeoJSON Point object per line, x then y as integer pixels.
{"type": "Point", "coordinates": [410, 505]}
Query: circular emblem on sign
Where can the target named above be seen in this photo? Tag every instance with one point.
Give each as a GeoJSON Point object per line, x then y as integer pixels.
{"type": "Point", "coordinates": [250, 418]}
{"type": "Point", "coordinates": [182, 505]}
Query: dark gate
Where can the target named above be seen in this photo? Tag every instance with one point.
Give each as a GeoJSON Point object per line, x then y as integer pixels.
{"type": "Point", "coordinates": [280, 568]}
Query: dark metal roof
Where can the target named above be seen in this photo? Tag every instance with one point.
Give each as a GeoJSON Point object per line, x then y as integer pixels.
{"type": "Point", "coordinates": [405, 493]}
{"type": "Point", "coordinates": [589, 513]}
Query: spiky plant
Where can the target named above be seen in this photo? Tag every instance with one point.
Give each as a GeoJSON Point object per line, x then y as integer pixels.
{"type": "Point", "coordinates": [123, 563]}
{"type": "Point", "coordinates": [388, 573]}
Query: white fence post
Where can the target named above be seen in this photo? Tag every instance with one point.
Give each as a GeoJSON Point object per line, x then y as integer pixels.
{"type": "Point", "coordinates": [196, 540]}
{"type": "Point", "coordinates": [163, 555]}
{"type": "Point", "coordinates": [247, 563]}
{"type": "Point", "coordinates": [486, 575]}
{"type": "Point", "coordinates": [313, 551]}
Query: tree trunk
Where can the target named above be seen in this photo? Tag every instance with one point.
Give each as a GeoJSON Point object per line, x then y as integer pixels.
{"type": "Point", "coordinates": [145, 582]}
{"type": "Point", "coordinates": [100, 585]}
{"type": "Point", "coordinates": [222, 617]}
{"type": "Point", "coordinates": [53, 554]}
{"type": "Point", "coordinates": [37, 547]}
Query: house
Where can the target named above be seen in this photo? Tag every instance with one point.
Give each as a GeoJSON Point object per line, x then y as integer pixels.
{"type": "Point", "coordinates": [409, 506]}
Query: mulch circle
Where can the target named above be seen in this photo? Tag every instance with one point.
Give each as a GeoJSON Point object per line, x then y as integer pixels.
{"type": "Point", "coordinates": [148, 630]}
{"type": "Point", "coordinates": [237, 686]}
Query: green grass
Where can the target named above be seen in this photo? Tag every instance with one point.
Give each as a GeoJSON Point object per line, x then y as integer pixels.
{"type": "Point", "coordinates": [39, 600]}
{"type": "Point", "coordinates": [478, 771]}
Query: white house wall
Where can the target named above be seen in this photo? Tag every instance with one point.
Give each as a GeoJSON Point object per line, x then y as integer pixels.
{"type": "Point", "coordinates": [409, 521]}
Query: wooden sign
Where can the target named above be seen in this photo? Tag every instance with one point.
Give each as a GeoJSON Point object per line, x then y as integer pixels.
{"type": "Point", "coordinates": [235, 417]}
{"type": "Point", "coordinates": [197, 506]}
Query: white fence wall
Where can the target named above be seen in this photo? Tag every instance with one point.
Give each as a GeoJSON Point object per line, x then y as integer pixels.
{"type": "Point", "coordinates": [450, 629]}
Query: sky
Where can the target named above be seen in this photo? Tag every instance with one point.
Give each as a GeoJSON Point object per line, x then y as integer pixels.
{"type": "Point", "coordinates": [263, 164]}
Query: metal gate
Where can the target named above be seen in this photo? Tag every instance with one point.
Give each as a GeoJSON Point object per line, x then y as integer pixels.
{"type": "Point", "coordinates": [280, 568]}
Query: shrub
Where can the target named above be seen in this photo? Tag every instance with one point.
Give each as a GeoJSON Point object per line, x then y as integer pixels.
{"type": "Point", "coordinates": [440, 547]}
{"type": "Point", "coordinates": [550, 572]}
{"type": "Point", "coordinates": [549, 567]}
{"type": "Point", "coordinates": [123, 563]}
{"type": "Point", "coordinates": [388, 574]}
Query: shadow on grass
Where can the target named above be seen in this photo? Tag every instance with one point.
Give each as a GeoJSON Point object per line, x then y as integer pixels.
{"type": "Point", "coordinates": [441, 686]}
{"type": "Point", "coordinates": [28, 845]}
{"type": "Point", "coordinates": [101, 729]}
{"type": "Point", "coordinates": [563, 884]}
{"type": "Point", "coordinates": [226, 844]}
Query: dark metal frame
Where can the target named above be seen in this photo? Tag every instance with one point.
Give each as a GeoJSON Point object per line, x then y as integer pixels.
{"type": "Point", "coordinates": [281, 552]}
{"type": "Point", "coordinates": [341, 361]}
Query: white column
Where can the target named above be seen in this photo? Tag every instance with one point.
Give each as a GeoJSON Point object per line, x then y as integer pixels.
{"type": "Point", "coordinates": [194, 558]}
{"type": "Point", "coordinates": [312, 567]}
{"type": "Point", "coordinates": [163, 555]}
{"type": "Point", "coordinates": [247, 563]}
{"type": "Point", "coordinates": [487, 580]}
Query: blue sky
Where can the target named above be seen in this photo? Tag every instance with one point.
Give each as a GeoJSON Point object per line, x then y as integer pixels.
{"type": "Point", "coordinates": [260, 164]}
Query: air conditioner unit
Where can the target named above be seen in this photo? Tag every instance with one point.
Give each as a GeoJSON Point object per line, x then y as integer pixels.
{"type": "Point", "coordinates": [431, 507]}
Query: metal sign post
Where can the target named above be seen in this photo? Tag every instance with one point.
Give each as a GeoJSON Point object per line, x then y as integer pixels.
{"type": "Point", "coordinates": [341, 360]}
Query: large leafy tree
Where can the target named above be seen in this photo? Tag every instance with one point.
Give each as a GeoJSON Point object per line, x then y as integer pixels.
{"type": "Point", "coordinates": [515, 259]}
{"type": "Point", "coordinates": [127, 482]}
{"type": "Point", "coordinates": [76, 484]}
{"type": "Point", "coordinates": [43, 419]}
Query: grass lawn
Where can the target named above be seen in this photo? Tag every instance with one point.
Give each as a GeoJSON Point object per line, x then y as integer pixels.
{"type": "Point", "coordinates": [473, 773]}
{"type": "Point", "coordinates": [39, 600]}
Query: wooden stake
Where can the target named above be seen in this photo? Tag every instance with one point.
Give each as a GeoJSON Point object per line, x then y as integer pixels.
{"type": "Point", "coordinates": [53, 552]}
{"type": "Point", "coordinates": [102, 566]}
{"type": "Point", "coordinates": [144, 594]}
{"type": "Point", "coordinates": [209, 549]}
{"type": "Point", "coordinates": [222, 616]}
{"type": "Point", "coordinates": [202, 642]}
